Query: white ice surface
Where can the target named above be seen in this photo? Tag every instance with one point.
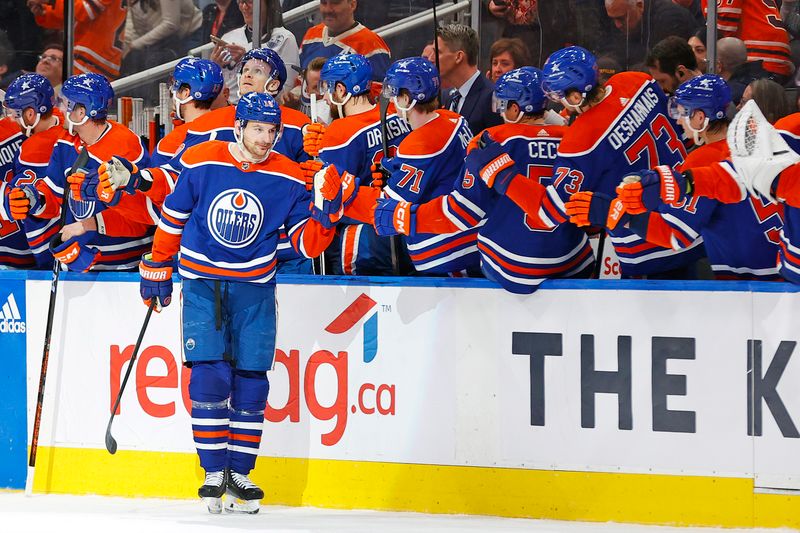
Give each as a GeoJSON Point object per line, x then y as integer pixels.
{"type": "Point", "coordinates": [95, 514]}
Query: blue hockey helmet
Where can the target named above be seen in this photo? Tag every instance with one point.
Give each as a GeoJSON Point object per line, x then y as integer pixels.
{"type": "Point", "coordinates": [417, 75]}
{"type": "Point", "coordinates": [259, 107]}
{"type": "Point", "coordinates": [571, 68]}
{"type": "Point", "coordinates": [91, 90]}
{"type": "Point", "coordinates": [271, 58]}
{"type": "Point", "coordinates": [709, 93]}
{"type": "Point", "coordinates": [351, 70]}
{"type": "Point", "coordinates": [203, 77]}
{"type": "Point", "coordinates": [523, 86]}
{"type": "Point", "coordinates": [29, 90]}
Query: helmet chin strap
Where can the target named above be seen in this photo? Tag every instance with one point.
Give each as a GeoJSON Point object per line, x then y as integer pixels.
{"type": "Point", "coordinates": [696, 133]}
{"type": "Point", "coordinates": [339, 105]}
{"type": "Point", "coordinates": [29, 129]}
{"type": "Point", "coordinates": [71, 124]}
{"type": "Point", "coordinates": [508, 120]}
{"type": "Point", "coordinates": [178, 103]}
{"type": "Point", "coordinates": [403, 110]}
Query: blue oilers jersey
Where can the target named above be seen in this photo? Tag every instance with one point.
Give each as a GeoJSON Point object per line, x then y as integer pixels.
{"type": "Point", "coordinates": [14, 249]}
{"type": "Point", "coordinates": [515, 252]}
{"type": "Point", "coordinates": [228, 214]}
{"type": "Point", "coordinates": [789, 245]}
{"type": "Point", "coordinates": [352, 144]}
{"type": "Point", "coordinates": [119, 252]}
{"type": "Point", "coordinates": [428, 164]}
{"type": "Point", "coordinates": [628, 131]}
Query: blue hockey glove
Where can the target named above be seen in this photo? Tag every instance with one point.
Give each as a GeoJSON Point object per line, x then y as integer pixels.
{"type": "Point", "coordinates": [490, 162]}
{"type": "Point", "coordinates": [156, 281]}
{"type": "Point", "coordinates": [394, 218]}
{"type": "Point", "coordinates": [74, 253]}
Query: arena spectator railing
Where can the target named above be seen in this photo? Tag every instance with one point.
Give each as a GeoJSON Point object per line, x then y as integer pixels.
{"type": "Point", "coordinates": [160, 71]}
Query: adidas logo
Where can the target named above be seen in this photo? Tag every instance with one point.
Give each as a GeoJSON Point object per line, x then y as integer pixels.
{"type": "Point", "coordinates": [10, 318]}
{"type": "Point", "coordinates": [624, 101]}
{"type": "Point", "coordinates": [542, 133]}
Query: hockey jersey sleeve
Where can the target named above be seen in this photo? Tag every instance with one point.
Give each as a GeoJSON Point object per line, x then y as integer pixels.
{"type": "Point", "coordinates": [85, 10]}
{"type": "Point", "coordinates": [175, 213]}
{"type": "Point", "coordinates": [459, 210]}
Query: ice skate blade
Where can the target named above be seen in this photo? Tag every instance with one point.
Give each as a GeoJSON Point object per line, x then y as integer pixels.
{"type": "Point", "coordinates": [214, 505]}
{"type": "Point", "coordinates": [235, 505]}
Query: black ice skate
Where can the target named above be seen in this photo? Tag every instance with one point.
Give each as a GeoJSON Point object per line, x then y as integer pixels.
{"type": "Point", "coordinates": [243, 495]}
{"type": "Point", "coordinates": [212, 490]}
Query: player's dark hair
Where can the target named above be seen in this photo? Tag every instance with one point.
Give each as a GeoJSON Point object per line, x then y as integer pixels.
{"type": "Point", "coordinates": [668, 54]}
{"type": "Point", "coordinates": [718, 126]}
{"type": "Point", "coordinates": [460, 37]}
{"type": "Point", "coordinates": [98, 121]}
{"type": "Point", "coordinates": [199, 104]}
{"type": "Point", "coordinates": [595, 96]}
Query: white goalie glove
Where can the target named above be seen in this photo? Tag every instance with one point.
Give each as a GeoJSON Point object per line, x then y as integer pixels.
{"type": "Point", "coordinates": [758, 151]}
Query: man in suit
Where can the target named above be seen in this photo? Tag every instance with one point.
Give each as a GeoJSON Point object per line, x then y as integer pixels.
{"type": "Point", "coordinates": [470, 92]}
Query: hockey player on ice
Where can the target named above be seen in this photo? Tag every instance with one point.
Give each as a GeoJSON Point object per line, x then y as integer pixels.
{"type": "Point", "coordinates": [741, 239]}
{"type": "Point", "coordinates": [514, 251]}
{"type": "Point", "coordinates": [223, 218]}
{"type": "Point", "coordinates": [353, 143]}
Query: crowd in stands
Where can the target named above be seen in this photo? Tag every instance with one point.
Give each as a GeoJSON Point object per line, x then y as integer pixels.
{"type": "Point", "coordinates": [757, 54]}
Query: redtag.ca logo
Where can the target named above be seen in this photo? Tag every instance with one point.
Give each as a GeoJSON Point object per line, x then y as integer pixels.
{"type": "Point", "coordinates": [367, 398]}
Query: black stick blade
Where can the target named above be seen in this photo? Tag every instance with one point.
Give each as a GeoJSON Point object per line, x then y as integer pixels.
{"type": "Point", "coordinates": [111, 444]}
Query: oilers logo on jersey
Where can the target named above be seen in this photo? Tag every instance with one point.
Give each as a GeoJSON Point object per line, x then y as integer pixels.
{"type": "Point", "coordinates": [235, 218]}
{"type": "Point", "coordinates": [81, 209]}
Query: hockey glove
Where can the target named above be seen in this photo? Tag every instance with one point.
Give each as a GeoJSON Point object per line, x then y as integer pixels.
{"type": "Point", "coordinates": [648, 189]}
{"type": "Point", "coordinates": [394, 218]}
{"type": "Point", "coordinates": [380, 176]}
{"type": "Point", "coordinates": [327, 205]}
{"type": "Point", "coordinates": [83, 185]}
{"type": "Point", "coordinates": [20, 202]}
{"type": "Point", "coordinates": [74, 253]}
{"type": "Point", "coordinates": [596, 209]}
{"type": "Point", "coordinates": [118, 175]}
{"type": "Point", "coordinates": [156, 281]}
{"type": "Point", "coordinates": [312, 138]}
{"type": "Point", "coordinates": [310, 169]}
{"type": "Point", "coordinates": [490, 162]}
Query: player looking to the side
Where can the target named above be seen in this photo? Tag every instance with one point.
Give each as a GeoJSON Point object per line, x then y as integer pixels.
{"type": "Point", "coordinates": [741, 239]}
{"type": "Point", "coordinates": [515, 251]}
{"type": "Point", "coordinates": [29, 102]}
{"type": "Point", "coordinates": [621, 126]}
{"type": "Point", "coordinates": [95, 236]}
{"type": "Point", "coordinates": [427, 164]}
{"type": "Point", "coordinates": [353, 144]}
{"type": "Point", "coordinates": [224, 217]}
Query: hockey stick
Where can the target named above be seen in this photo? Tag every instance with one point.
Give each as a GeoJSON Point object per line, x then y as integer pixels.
{"type": "Point", "coordinates": [383, 107]}
{"type": "Point", "coordinates": [80, 162]}
{"type": "Point", "coordinates": [600, 249]}
{"type": "Point", "coordinates": [320, 268]}
{"type": "Point", "coordinates": [111, 444]}
{"type": "Point", "coordinates": [436, 48]}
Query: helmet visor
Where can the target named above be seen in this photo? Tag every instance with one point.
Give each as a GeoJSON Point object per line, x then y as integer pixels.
{"type": "Point", "coordinates": [676, 110]}
{"type": "Point", "coordinates": [500, 105]}
{"type": "Point", "coordinates": [11, 112]}
{"type": "Point", "coordinates": [390, 91]}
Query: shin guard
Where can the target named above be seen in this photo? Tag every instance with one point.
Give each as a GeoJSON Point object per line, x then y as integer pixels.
{"type": "Point", "coordinates": [248, 401]}
{"type": "Point", "coordinates": [209, 390]}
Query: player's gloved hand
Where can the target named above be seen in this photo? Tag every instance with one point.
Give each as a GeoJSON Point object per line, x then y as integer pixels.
{"type": "Point", "coordinates": [116, 176]}
{"type": "Point", "coordinates": [393, 217]}
{"type": "Point", "coordinates": [380, 176]}
{"type": "Point", "coordinates": [349, 188]}
{"type": "Point", "coordinates": [327, 206]}
{"type": "Point", "coordinates": [20, 202]}
{"type": "Point", "coordinates": [83, 185]}
{"type": "Point", "coordinates": [596, 209]}
{"type": "Point", "coordinates": [74, 253]}
{"type": "Point", "coordinates": [646, 190]}
{"type": "Point", "coordinates": [491, 164]}
{"type": "Point", "coordinates": [312, 138]}
{"type": "Point", "coordinates": [310, 169]}
{"type": "Point", "coordinates": [156, 281]}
